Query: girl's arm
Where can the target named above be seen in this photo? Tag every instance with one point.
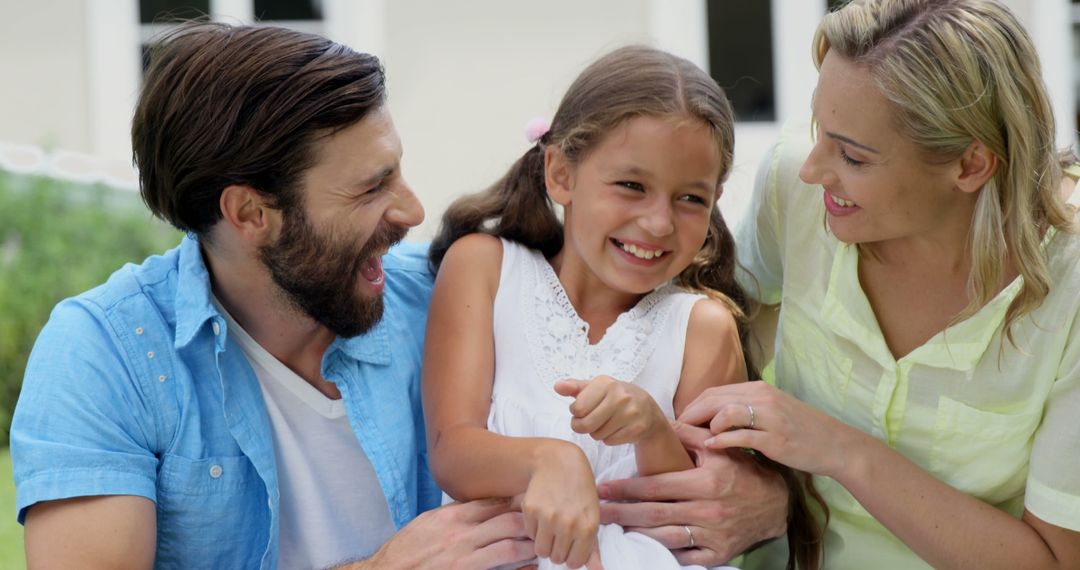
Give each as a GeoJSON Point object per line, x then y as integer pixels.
{"type": "Point", "coordinates": [619, 412]}
{"type": "Point", "coordinates": [468, 461]}
{"type": "Point", "coordinates": [944, 526]}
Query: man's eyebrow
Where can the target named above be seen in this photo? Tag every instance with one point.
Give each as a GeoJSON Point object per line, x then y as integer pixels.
{"type": "Point", "coordinates": [851, 142]}
{"type": "Point", "coordinates": [372, 180]}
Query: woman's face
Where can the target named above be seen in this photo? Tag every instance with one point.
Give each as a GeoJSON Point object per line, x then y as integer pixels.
{"type": "Point", "coordinates": [877, 186]}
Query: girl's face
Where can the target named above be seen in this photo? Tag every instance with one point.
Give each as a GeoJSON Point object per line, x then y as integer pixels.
{"type": "Point", "coordinates": [877, 185]}
{"type": "Point", "coordinates": [637, 205]}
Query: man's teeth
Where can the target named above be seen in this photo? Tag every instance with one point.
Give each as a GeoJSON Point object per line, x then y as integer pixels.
{"type": "Point", "coordinates": [641, 253]}
{"type": "Point", "coordinates": [841, 201]}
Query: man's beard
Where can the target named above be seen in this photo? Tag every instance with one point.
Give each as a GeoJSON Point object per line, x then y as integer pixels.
{"type": "Point", "coordinates": [318, 274]}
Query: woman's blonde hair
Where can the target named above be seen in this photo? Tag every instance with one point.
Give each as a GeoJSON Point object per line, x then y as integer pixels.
{"type": "Point", "coordinates": [956, 71]}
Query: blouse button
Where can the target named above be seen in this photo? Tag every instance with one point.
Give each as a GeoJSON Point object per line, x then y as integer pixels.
{"type": "Point", "coordinates": [215, 471]}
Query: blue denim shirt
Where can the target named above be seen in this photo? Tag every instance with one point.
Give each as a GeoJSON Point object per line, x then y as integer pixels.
{"type": "Point", "coordinates": [136, 388]}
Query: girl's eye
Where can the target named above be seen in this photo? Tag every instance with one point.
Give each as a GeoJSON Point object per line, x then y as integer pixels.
{"type": "Point", "coordinates": [631, 185]}
{"type": "Point", "coordinates": [849, 160]}
{"type": "Point", "coordinates": [693, 199]}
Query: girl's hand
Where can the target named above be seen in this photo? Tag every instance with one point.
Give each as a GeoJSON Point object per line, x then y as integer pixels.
{"type": "Point", "coordinates": [561, 507]}
{"type": "Point", "coordinates": [785, 429]}
{"type": "Point", "coordinates": [611, 411]}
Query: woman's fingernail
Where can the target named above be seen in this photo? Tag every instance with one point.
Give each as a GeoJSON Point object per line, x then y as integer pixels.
{"type": "Point", "coordinates": [709, 442]}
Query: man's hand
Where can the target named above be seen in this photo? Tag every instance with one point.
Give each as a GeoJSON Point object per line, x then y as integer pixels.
{"type": "Point", "coordinates": [728, 501]}
{"type": "Point", "coordinates": [476, 535]}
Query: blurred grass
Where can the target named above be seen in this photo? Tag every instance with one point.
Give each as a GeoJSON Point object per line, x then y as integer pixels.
{"type": "Point", "coordinates": [11, 532]}
{"type": "Point", "coordinates": [58, 239]}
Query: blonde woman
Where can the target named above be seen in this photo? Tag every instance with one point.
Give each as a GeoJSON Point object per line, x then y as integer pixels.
{"type": "Point", "coordinates": [928, 347]}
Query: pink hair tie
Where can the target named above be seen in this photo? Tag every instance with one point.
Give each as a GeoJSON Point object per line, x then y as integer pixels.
{"type": "Point", "coordinates": [536, 129]}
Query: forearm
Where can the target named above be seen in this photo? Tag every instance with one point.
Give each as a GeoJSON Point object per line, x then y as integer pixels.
{"type": "Point", "coordinates": [661, 452]}
{"type": "Point", "coordinates": [473, 463]}
{"type": "Point", "coordinates": [947, 528]}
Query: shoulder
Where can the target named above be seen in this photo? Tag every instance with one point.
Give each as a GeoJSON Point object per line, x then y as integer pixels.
{"type": "Point", "coordinates": [711, 321]}
{"type": "Point", "coordinates": [477, 245]}
{"type": "Point", "coordinates": [475, 256]}
{"type": "Point", "coordinates": [781, 169]}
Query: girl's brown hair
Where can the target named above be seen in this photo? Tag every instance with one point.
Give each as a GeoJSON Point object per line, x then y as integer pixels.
{"type": "Point", "coordinates": [630, 82]}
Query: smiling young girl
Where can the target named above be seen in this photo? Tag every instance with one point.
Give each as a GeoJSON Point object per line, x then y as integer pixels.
{"type": "Point", "coordinates": [557, 352]}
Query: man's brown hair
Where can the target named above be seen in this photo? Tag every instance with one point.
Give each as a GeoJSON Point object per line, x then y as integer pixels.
{"type": "Point", "coordinates": [223, 105]}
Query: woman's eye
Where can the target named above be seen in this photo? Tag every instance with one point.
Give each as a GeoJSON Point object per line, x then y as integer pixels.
{"type": "Point", "coordinates": [631, 185]}
{"type": "Point", "coordinates": [849, 160]}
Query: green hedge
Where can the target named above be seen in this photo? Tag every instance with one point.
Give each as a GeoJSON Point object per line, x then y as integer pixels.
{"type": "Point", "coordinates": [58, 239]}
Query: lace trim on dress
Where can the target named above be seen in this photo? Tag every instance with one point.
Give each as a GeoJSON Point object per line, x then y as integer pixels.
{"type": "Point", "coordinates": [559, 338]}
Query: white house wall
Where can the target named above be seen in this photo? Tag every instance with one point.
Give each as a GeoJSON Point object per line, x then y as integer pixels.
{"type": "Point", "coordinates": [464, 76]}
{"type": "Point", "coordinates": [44, 99]}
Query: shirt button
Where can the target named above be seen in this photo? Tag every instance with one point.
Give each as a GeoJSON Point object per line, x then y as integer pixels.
{"type": "Point", "coordinates": [215, 471]}
{"type": "Point", "coordinates": [216, 327]}
{"type": "Point", "coordinates": [139, 330]}
{"type": "Point", "coordinates": [161, 378]}
{"type": "Point", "coordinates": [150, 354]}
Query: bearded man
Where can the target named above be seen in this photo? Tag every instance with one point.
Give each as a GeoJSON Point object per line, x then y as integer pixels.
{"type": "Point", "coordinates": [249, 398]}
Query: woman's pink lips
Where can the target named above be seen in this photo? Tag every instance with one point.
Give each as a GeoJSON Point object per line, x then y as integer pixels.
{"type": "Point", "coordinates": [836, 209]}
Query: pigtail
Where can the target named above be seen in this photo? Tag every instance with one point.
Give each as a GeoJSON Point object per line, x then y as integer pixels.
{"type": "Point", "coordinates": [516, 207]}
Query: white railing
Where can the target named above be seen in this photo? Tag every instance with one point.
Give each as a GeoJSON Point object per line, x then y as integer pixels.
{"type": "Point", "coordinates": [68, 165]}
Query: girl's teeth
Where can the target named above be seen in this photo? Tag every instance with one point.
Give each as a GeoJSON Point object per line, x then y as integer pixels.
{"type": "Point", "coordinates": [841, 201]}
{"type": "Point", "coordinates": [640, 252]}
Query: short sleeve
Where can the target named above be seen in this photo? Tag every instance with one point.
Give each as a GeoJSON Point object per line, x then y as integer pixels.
{"type": "Point", "coordinates": [1053, 486]}
{"type": "Point", "coordinates": [82, 425]}
{"type": "Point", "coordinates": [757, 237]}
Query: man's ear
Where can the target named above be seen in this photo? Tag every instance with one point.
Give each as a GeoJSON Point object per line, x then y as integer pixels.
{"type": "Point", "coordinates": [558, 175]}
{"type": "Point", "coordinates": [977, 166]}
{"type": "Point", "coordinates": [248, 214]}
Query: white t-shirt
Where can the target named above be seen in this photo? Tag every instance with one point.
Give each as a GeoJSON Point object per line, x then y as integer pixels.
{"type": "Point", "coordinates": [332, 507]}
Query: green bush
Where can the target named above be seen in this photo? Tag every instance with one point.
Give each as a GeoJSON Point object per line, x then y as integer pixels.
{"type": "Point", "coordinates": [58, 239]}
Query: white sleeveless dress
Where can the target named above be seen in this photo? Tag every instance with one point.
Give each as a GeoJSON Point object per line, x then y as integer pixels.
{"type": "Point", "coordinates": [540, 339]}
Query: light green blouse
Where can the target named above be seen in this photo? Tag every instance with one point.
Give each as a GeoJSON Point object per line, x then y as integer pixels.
{"type": "Point", "coordinates": [998, 422]}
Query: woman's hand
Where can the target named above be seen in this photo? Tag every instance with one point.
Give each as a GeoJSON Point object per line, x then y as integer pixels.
{"type": "Point", "coordinates": [611, 411]}
{"type": "Point", "coordinates": [561, 507]}
{"type": "Point", "coordinates": [728, 501]}
{"type": "Point", "coordinates": [783, 428]}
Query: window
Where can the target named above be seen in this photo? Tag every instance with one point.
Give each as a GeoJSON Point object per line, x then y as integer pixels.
{"type": "Point", "coordinates": [741, 56]}
{"type": "Point", "coordinates": [158, 11]}
{"type": "Point", "coordinates": [833, 5]}
{"type": "Point", "coordinates": [158, 16]}
{"type": "Point", "coordinates": [266, 10]}
{"type": "Point", "coordinates": [1076, 58]}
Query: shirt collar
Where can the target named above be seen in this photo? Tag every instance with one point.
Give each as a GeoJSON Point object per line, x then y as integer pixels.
{"type": "Point", "coordinates": [193, 299]}
{"type": "Point", "coordinates": [847, 312]}
{"type": "Point", "coordinates": [372, 347]}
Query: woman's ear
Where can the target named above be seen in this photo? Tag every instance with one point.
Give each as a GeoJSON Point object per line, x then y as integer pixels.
{"type": "Point", "coordinates": [977, 166]}
{"type": "Point", "coordinates": [247, 214]}
{"type": "Point", "coordinates": [558, 175]}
